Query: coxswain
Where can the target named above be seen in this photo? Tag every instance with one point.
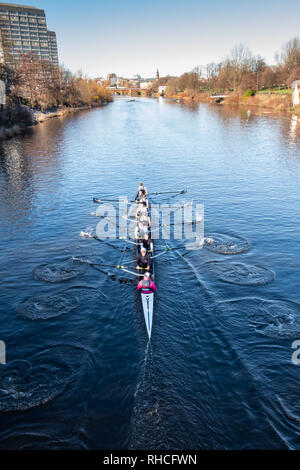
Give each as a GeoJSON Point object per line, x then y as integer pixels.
{"type": "Point", "coordinates": [147, 243]}
{"type": "Point", "coordinates": [143, 261]}
{"type": "Point", "coordinates": [146, 285]}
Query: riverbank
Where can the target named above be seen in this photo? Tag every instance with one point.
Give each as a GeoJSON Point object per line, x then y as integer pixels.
{"type": "Point", "coordinates": [41, 116]}
{"type": "Point", "coordinates": [274, 102]}
{"type": "Point", "coordinates": [33, 117]}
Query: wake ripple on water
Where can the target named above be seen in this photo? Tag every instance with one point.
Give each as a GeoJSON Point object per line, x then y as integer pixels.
{"type": "Point", "coordinates": [226, 243]}
{"type": "Point", "coordinates": [84, 293]}
{"type": "Point", "coordinates": [59, 272]}
{"type": "Point", "coordinates": [47, 306]}
{"type": "Point", "coordinates": [25, 384]}
{"type": "Point", "coordinates": [272, 318]}
{"type": "Point", "coordinates": [240, 273]}
{"type": "Point", "coordinates": [42, 441]}
{"type": "Point", "coordinates": [147, 427]}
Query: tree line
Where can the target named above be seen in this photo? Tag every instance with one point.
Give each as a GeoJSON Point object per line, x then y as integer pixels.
{"type": "Point", "coordinates": [40, 85]}
{"type": "Point", "coordinates": [240, 71]}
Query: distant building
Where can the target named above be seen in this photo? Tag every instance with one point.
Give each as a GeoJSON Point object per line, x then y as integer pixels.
{"type": "Point", "coordinates": [145, 85]}
{"type": "Point", "coordinates": [112, 79]}
{"type": "Point", "coordinates": [120, 81]}
{"type": "Point", "coordinates": [296, 94]}
{"type": "Point", "coordinates": [157, 74]}
{"type": "Point", "coordinates": [52, 44]}
{"type": "Point", "coordinates": [23, 29]}
{"type": "Point", "coordinates": [162, 89]}
{"type": "Point", "coordinates": [134, 83]}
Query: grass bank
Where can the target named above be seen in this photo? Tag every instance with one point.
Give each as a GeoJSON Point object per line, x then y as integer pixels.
{"type": "Point", "coordinates": [278, 102]}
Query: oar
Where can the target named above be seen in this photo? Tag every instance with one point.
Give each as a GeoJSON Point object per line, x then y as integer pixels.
{"type": "Point", "coordinates": [100, 201]}
{"type": "Point", "coordinates": [183, 191]}
{"type": "Point", "coordinates": [117, 266]}
{"type": "Point", "coordinates": [87, 235]}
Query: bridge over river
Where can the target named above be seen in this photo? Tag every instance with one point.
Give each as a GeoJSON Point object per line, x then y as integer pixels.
{"type": "Point", "coordinates": [132, 91]}
{"type": "Point", "coordinates": [218, 98]}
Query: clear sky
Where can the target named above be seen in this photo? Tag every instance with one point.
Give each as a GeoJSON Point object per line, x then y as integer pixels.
{"type": "Point", "coordinates": [136, 36]}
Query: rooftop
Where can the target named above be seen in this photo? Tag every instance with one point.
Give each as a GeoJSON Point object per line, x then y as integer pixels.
{"type": "Point", "coordinates": [15, 5]}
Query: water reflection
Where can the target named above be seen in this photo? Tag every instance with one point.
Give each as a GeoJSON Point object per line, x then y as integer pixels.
{"type": "Point", "coordinates": [28, 164]}
{"type": "Point", "coordinates": [293, 127]}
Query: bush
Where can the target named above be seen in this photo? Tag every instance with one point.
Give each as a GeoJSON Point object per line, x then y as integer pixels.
{"type": "Point", "coordinates": [248, 93]}
{"type": "Point", "coordinates": [42, 86]}
{"type": "Point", "coordinates": [15, 113]}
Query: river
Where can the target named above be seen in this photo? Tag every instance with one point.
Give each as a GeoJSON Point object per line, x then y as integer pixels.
{"type": "Point", "coordinates": [219, 372]}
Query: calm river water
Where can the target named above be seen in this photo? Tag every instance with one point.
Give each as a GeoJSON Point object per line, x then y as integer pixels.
{"type": "Point", "coordinates": [219, 372]}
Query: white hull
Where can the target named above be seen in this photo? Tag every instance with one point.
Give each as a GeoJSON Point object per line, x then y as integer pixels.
{"type": "Point", "coordinates": [147, 300]}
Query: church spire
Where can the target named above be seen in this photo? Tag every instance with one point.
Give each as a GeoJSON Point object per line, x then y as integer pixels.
{"type": "Point", "coordinates": [157, 74]}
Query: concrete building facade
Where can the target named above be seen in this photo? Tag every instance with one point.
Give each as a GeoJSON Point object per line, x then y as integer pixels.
{"type": "Point", "coordinates": [23, 29]}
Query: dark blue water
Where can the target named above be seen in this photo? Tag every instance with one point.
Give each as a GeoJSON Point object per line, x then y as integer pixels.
{"type": "Point", "coordinates": [218, 374]}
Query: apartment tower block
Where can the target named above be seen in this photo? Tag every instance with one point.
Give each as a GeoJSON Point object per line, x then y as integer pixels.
{"type": "Point", "coordinates": [23, 29]}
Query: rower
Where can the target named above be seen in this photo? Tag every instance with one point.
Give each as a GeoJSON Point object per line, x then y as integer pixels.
{"type": "Point", "coordinates": [143, 189]}
{"type": "Point", "coordinates": [142, 200]}
{"type": "Point", "coordinates": [146, 285]}
{"type": "Point", "coordinates": [143, 261]}
{"type": "Point", "coordinates": [147, 243]}
{"type": "Point", "coordinates": [140, 231]}
{"type": "Point", "coordinates": [145, 220]}
{"type": "Point", "coordinates": [139, 195]}
{"type": "Point", "coordinates": [141, 210]}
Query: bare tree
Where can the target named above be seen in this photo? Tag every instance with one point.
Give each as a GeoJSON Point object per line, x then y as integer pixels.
{"type": "Point", "coordinates": [258, 65]}
{"type": "Point", "coordinates": [212, 73]}
{"type": "Point", "coordinates": [239, 61]}
{"type": "Point", "coordinates": [289, 59]}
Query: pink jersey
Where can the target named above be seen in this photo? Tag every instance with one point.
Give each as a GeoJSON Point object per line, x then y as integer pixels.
{"type": "Point", "coordinates": [150, 289]}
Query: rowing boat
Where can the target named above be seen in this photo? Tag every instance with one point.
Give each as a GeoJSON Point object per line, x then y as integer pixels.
{"type": "Point", "coordinates": [148, 299]}
{"type": "Point", "coordinates": [147, 302]}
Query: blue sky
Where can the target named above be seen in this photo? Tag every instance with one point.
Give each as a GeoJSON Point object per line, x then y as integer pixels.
{"type": "Point", "coordinates": [130, 36]}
